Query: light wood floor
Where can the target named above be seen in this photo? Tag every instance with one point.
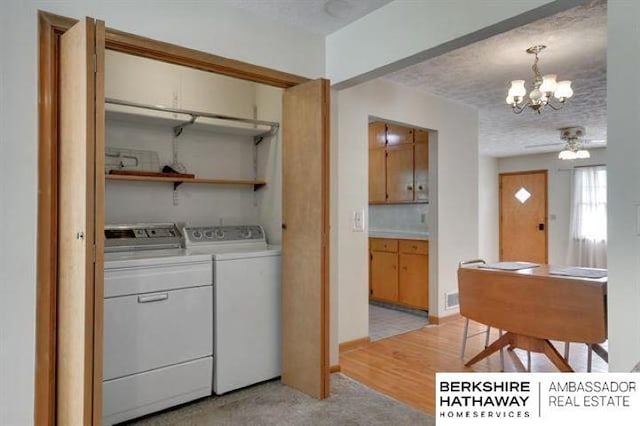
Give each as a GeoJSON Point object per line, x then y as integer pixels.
{"type": "Point", "coordinates": [404, 366]}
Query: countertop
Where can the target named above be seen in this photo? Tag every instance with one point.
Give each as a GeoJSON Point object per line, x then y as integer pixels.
{"type": "Point", "coordinates": [400, 235]}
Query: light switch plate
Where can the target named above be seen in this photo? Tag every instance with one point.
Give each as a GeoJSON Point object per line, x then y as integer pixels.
{"type": "Point", "coordinates": [357, 220]}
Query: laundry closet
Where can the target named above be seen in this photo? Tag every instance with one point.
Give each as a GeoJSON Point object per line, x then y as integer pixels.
{"type": "Point", "coordinates": [193, 196]}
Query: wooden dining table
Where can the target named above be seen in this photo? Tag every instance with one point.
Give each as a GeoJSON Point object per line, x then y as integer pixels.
{"type": "Point", "coordinates": [535, 307]}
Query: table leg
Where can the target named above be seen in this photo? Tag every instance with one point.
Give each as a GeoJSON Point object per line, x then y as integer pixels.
{"type": "Point", "coordinates": [554, 356]}
{"type": "Point", "coordinates": [502, 341]}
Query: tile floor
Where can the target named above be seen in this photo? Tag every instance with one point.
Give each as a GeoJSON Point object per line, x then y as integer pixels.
{"type": "Point", "coordinates": [385, 322]}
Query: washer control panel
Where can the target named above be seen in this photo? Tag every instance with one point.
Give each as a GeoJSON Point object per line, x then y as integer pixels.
{"type": "Point", "coordinates": [222, 234]}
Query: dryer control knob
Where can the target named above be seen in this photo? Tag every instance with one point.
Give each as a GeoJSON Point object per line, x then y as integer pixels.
{"type": "Point", "coordinates": [196, 235]}
{"type": "Point", "coordinates": [219, 233]}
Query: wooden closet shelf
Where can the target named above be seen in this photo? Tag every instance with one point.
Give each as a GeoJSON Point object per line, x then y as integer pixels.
{"type": "Point", "coordinates": [257, 184]}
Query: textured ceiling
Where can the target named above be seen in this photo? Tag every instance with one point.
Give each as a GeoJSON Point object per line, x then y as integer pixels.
{"type": "Point", "coordinates": [479, 75]}
{"type": "Point", "coordinates": [310, 15]}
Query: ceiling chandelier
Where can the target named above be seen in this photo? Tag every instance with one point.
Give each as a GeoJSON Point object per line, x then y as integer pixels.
{"type": "Point", "coordinates": [573, 150]}
{"type": "Point", "coordinates": [544, 88]}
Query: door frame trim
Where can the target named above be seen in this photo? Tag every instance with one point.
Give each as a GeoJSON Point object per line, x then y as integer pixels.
{"type": "Point", "coordinates": [544, 172]}
{"type": "Point", "coordinates": [50, 27]}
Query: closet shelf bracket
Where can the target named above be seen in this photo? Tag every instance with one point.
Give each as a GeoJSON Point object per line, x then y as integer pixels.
{"type": "Point", "coordinates": [272, 132]}
{"type": "Point", "coordinates": [177, 131]}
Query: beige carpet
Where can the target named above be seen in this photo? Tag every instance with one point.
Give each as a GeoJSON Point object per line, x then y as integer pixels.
{"type": "Point", "coordinates": [272, 403]}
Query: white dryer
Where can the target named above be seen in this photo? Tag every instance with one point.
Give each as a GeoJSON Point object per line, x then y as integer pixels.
{"type": "Point", "coordinates": [247, 303]}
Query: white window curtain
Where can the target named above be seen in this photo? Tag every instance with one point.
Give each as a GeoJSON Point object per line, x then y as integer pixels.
{"type": "Point", "coordinates": [588, 238]}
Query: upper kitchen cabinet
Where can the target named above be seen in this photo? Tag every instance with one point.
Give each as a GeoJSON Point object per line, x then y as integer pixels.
{"type": "Point", "coordinates": [377, 176]}
{"type": "Point", "coordinates": [421, 166]}
{"type": "Point", "coordinates": [400, 173]}
{"type": "Point", "coordinates": [377, 135]}
{"type": "Point", "coordinates": [146, 81]}
{"type": "Point", "coordinates": [217, 93]}
{"type": "Point", "coordinates": [399, 135]}
{"type": "Point", "coordinates": [398, 164]}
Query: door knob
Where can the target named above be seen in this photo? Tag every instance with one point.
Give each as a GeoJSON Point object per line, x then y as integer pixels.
{"type": "Point", "coordinates": [284, 226]}
{"type": "Point", "coordinates": [541, 227]}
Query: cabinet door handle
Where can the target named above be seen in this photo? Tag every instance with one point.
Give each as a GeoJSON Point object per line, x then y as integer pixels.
{"type": "Point", "coordinates": [414, 247]}
{"type": "Point", "coordinates": [409, 187]}
{"type": "Point", "coordinates": [153, 298]}
{"type": "Point", "coordinates": [420, 187]}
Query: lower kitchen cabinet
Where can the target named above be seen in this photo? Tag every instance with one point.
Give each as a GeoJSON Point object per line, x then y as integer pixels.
{"type": "Point", "coordinates": [413, 289]}
{"type": "Point", "coordinates": [384, 276]}
{"type": "Point", "coordinates": [399, 272]}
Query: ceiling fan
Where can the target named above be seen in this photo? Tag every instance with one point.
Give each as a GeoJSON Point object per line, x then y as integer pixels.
{"type": "Point", "coordinates": [573, 142]}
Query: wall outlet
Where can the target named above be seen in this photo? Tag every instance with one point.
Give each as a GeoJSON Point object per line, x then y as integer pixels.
{"type": "Point", "coordinates": [423, 217]}
{"type": "Point", "coordinates": [357, 220]}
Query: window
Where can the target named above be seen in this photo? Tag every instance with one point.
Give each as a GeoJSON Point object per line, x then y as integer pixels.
{"type": "Point", "coordinates": [589, 217]}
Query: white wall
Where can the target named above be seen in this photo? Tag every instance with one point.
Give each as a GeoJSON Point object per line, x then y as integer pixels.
{"type": "Point", "coordinates": [623, 156]}
{"type": "Point", "coordinates": [208, 26]}
{"type": "Point", "coordinates": [558, 193]}
{"type": "Point", "coordinates": [488, 208]}
{"type": "Point", "coordinates": [456, 229]}
{"type": "Point", "coordinates": [406, 28]}
{"type": "Point", "coordinates": [207, 155]}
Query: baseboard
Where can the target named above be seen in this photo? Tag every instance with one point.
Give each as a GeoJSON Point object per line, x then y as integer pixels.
{"type": "Point", "coordinates": [353, 344]}
{"type": "Point", "coordinates": [334, 368]}
{"type": "Point", "coordinates": [443, 320]}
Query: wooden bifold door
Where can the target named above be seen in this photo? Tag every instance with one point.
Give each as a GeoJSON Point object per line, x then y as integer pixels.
{"type": "Point", "coordinates": [80, 224]}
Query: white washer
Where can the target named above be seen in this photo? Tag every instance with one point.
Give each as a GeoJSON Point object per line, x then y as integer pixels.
{"type": "Point", "coordinates": [158, 306]}
{"type": "Point", "coordinates": [247, 303]}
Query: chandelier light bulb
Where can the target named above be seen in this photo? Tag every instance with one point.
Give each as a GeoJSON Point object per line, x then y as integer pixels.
{"type": "Point", "coordinates": [563, 90]}
{"type": "Point", "coordinates": [549, 83]}
{"type": "Point", "coordinates": [517, 89]}
{"type": "Point", "coordinates": [510, 100]}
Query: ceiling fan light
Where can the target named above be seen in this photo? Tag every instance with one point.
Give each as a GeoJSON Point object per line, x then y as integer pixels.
{"type": "Point", "coordinates": [549, 83]}
{"type": "Point", "coordinates": [582, 154]}
{"type": "Point", "coordinates": [517, 89]}
{"type": "Point", "coordinates": [563, 90]}
{"type": "Point", "coordinates": [567, 155]}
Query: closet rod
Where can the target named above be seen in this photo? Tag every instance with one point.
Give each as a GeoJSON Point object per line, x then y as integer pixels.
{"type": "Point", "coordinates": [197, 114]}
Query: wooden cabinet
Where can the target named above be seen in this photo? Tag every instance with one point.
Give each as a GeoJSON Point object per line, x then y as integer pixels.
{"type": "Point", "coordinates": [384, 276]}
{"type": "Point", "coordinates": [377, 176]}
{"type": "Point", "coordinates": [399, 272]}
{"type": "Point", "coordinates": [398, 164]}
{"type": "Point", "coordinates": [377, 135]}
{"type": "Point", "coordinates": [421, 172]}
{"type": "Point", "coordinates": [400, 173]}
{"type": "Point", "coordinates": [399, 135]}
